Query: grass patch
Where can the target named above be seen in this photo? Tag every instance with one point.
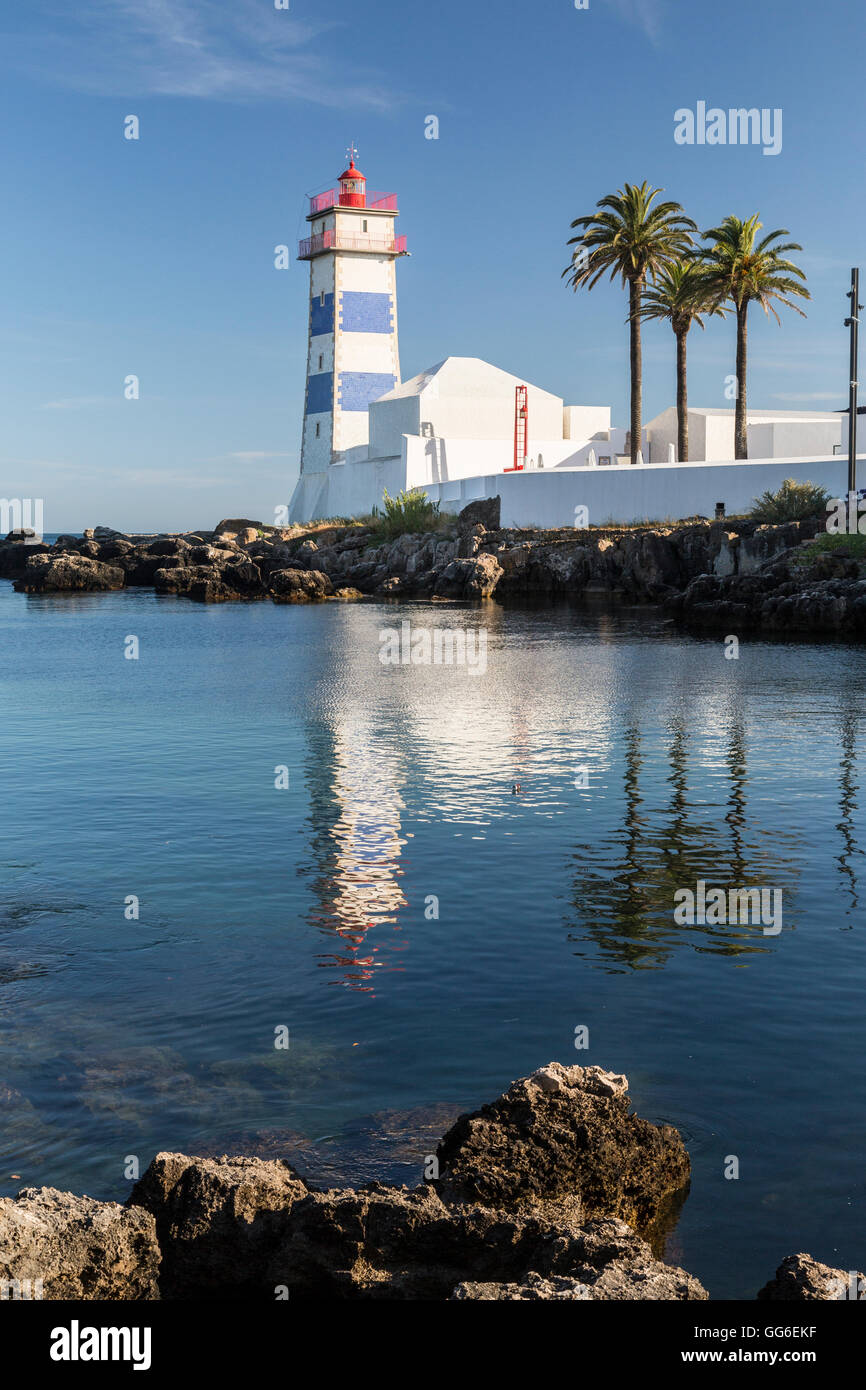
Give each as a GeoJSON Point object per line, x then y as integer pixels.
{"type": "Point", "coordinates": [852, 547]}
{"type": "Point", "coordinates": [409, 513]}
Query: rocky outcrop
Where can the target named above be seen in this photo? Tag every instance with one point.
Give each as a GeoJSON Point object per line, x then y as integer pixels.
{"type": "Point", "coordinates": [565, 1133]}
{"type": "Point", "coordinates": [800, 1278]}
{"type": "Point", "coordinates": [470, 578]}
{"type": "Point", "coordinates": [821, 596]}
{"type": "Point", "coordinates": [486, 512]}
{"type": "Point", "coordinates": [615, 1265]}
{"type": "Point", "coordinates": [55, 1245]}
{"type": "Point", "coordinates": [299, 586]}
{"type": "Point", "coordinates": [730, 576]}
{"type": "Point", "coordinates": [248, 1227]}
{"type": "Point", "coordinates": [48, 573]}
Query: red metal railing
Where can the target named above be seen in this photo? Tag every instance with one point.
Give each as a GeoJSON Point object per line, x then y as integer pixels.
{"type": "Point", "coordinates": [338, 241]}
{"type": "Point", "coordinates": [380, 202]}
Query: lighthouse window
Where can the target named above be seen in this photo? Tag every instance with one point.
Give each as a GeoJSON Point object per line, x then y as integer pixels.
{"type": "Point", "coordinates": [318, 428]}
{"type": "Point", "coordinates": [322, 299]}
{"type": "Point", "coordinates": [364, 224]}
{"type": "Point", "coordinates": [321, 361]}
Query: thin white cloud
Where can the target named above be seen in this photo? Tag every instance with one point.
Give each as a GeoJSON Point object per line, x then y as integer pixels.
{"type": "Point", "coordinates": [645, 15]}
{"type": "Point", "coordinates": [240, 51]}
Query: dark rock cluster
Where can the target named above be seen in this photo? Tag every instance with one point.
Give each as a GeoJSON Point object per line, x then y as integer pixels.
{"type": "Point", "coordinates": [529, 1204]}
{"type": "Point", "coordinates": [737, 576]}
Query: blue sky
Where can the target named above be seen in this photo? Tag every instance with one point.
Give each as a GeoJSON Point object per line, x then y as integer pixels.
{"type": "Point", "coordinates": [155, 257]}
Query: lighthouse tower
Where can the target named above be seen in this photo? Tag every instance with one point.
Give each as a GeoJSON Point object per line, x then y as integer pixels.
{"type": "Point", "coordinates": [352, 355]}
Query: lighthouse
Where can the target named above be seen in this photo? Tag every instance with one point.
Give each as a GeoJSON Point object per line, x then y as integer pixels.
{"type": "Point", "coordinates": [352, 353]}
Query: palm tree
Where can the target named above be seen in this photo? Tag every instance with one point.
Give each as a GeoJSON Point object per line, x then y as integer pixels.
{"type": "Point", "coordinates": [633, 240]}
{"type": "Point", "coordinates": [737, 269]}
{"type": "Point", "coordinates": [680, 296]}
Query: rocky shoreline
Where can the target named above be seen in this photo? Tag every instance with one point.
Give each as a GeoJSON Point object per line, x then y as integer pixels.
{"type": "Point", "coordinates": [727, 576]}
{"type": "Point", "coordinates": [554, 1191]}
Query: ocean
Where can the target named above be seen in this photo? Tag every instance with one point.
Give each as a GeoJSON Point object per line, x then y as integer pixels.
{"type": "Point", "coordinates": [261, 891]}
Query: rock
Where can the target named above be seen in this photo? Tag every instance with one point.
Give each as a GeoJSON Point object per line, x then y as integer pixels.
{"type": "Point", "coordinates": [299, 586]}
{"type": "Point", "coordinates": [194, 583]}
{"type": "Point", "coordinates": [234, 576]}
{"type": "Point", "coordinates": [168, 545]}
{"type": "Point", "coordinates": [248, 536]}
{"type": "Point", "coordinates": [348, 594]}
{"type": "Point", "coordinates": [245, 1226]}
{"type": "Point", "coordinates": [22, 536]}
{"type": "Point", "coordinates": [616, 1266]}
{"type": "Point", "coordinates": [234, 526]}
{"type": "Point", "coordinates": [474, 578]}
{"type": "Point", "coordinates": [469, 542]}
{"type": "Point", "coordinates": [565, 1134]}
{"type": "Point", "coordinates": [218, 1221]}
{"type": "Point", "coordinates": [800, 1278]}
{"type": "Point", "coordinates": [485, 510]}
{"type": "Point", "coordinates": [14, 558]}
{"type": "Point", "coordinates": [79, 1248]}
{"type": "Point", "coordinates": [68, 572]}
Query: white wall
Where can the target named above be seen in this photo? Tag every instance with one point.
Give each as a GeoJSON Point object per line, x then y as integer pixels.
{"type": "Point", "coordinates": [390, 420]}
{"type": "Point", "coordinates": [583, 421]}
{"type": "Point", "coordinates": [655, 492]}
{"type": "Point", "coordinates": [442, 460]}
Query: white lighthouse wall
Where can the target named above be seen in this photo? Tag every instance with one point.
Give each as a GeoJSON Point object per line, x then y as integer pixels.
{"type": "Point", "coordinates": [367, 360]}
{"type": "Point", "coordinates": [317, 443]}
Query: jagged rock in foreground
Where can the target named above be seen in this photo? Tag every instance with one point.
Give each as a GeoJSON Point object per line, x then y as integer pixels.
{"type": "Point", "coordinates": [617, 1266]}
{"type": "Point", "coordinates": [245, 1227]}
{"type": "Point", "coordinates": [76, 1247]}
{"type": "Point", "coordinates": [800, 1278]}
{"type": "Point", "coordinates": [529, 1207]}
{"type": "Point", "coordinates": [565, 1133]}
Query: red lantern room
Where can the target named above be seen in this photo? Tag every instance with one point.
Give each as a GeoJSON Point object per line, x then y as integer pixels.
{"type": "Point", "coordinates": [353, 185]}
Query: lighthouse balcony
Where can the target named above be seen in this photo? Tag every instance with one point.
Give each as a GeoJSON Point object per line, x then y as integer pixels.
{"type": "Point", "coordinates": [377, 202]}
{"type": "Point", "coordinates": [340, 241]}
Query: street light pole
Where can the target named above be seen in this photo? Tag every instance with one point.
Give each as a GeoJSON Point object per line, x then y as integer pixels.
{"type": "Point", "coordinates": [853, 323]}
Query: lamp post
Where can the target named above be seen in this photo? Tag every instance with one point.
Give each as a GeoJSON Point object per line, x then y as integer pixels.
{"type": "Point", "coordinates": [853, 323]}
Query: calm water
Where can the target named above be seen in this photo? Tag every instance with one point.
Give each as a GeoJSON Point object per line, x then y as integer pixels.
{"type": "Point", "coordinates": [311, 907]}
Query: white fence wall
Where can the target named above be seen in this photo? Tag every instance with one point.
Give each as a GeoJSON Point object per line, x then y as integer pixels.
{"type": "Point", "coordinates": [548, 497]}
{"type": "Point", "coordinates": [654, 492]}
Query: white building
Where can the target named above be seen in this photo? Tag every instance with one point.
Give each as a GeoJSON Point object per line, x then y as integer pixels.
{"type": "Point", "coordinates": [770, 433]}
{"type": "Point", "coordinates": [451, 430]}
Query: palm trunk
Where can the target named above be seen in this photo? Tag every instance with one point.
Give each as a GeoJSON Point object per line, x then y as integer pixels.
{"type": "Point", "coordinates": [682, 398]}
{"type": "Point", "coordinates": [741, 443]}
{"type": "Point", "coordinates": [635, 292]}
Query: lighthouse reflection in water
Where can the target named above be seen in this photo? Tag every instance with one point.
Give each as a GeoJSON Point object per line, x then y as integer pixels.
{"type": "Point", "coordinates": [361, 893]}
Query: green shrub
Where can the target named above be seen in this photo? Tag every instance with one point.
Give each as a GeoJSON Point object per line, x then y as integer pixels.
{"type": "Point", "coordinates": [793, 502]}
{"type": "Point", "coordinates": [406, 513]}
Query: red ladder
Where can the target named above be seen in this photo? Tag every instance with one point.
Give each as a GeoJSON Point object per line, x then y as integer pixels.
{"type": "Point", "coordinates": [521, 430]}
